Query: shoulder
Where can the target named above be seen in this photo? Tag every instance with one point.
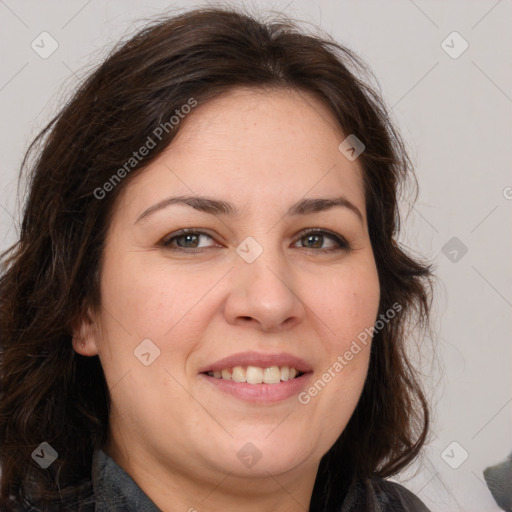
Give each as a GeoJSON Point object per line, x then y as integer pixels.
{"type": "Point", "coordinates": [382, 496]}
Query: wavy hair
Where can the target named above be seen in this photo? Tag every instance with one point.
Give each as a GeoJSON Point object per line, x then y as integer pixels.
{"type": "Point", "coordinates": [51, 275]}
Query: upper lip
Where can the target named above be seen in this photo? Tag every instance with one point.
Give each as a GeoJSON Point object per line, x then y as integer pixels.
{"type": "Point", "coordinates": [259, 359]}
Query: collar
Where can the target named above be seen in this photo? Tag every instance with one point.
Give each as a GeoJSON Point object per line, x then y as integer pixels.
{"type": "Point", "coordinates": [114, 489]}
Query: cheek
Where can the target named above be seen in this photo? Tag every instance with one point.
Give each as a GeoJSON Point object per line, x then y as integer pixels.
{"type": "Point", "coordinates": [150, 299]}
{"type": "Point", "coordinates": [347, 304]}
{"type": "Point", "coordinates": [347, 309]}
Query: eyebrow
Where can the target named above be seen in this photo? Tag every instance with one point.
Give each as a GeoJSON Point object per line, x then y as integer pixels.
{"type": "Point", "coordinates": [218, 207]}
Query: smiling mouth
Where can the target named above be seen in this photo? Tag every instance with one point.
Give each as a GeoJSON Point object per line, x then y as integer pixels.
{"type": "Point", "coordinates": [256, 374]}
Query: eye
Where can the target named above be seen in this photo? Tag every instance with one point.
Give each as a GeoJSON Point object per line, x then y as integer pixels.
{"type": "Point", "coordinates": [314, 239]}
{"type": "Point", "coordinates": [187, 239]}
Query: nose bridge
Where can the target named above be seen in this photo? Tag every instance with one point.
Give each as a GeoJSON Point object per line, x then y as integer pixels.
{"type": "Point", "coordinates": [262, 284]}
{"type": "Point", "coordinates": [264, 266]}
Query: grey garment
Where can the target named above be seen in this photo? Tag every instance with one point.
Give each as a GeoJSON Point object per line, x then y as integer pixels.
{"type": "Point", "coordinates": [110, 489]}
{"type": "Point", "coordinates": [113, 490]}
{"type": "Point", "coordinates": [499, 481]}
{"type": "Point", "coordinates": [379, 495]}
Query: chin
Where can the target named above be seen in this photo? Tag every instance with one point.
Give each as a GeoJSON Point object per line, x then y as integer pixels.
{"type": "Point", "coordinates": [257, 457]}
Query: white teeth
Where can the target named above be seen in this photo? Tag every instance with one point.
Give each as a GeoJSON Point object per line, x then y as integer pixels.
{"type": "Point", "coordinates": [256, 374]}
{"type": "Point", "coordinates": [238, 374]}
{"type": "Point", "coordinates": [272, 375]}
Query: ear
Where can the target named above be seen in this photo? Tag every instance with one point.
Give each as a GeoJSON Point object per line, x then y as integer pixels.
{"type": "Point", "coordinates": [85, 335]}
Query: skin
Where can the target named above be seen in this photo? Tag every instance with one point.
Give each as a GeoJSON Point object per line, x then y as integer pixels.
{"type": "Point", "coordinates": [174, 434]}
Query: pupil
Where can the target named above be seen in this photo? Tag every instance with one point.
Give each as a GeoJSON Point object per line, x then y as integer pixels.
{"type": "Point", "coordinates": [189, 238]}
{"type": "Point", "coordinates": [313, 237]}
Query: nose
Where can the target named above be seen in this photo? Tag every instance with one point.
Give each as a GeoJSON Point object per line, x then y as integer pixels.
{"type": "Point", "coordinates": [263, 293]}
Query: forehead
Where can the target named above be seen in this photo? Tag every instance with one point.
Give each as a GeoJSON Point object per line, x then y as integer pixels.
{"type": "Point", "coordinates": [265, 147]}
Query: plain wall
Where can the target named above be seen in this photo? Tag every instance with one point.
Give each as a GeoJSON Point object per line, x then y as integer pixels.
{"type": "Point", "coordinates": [455, 115]}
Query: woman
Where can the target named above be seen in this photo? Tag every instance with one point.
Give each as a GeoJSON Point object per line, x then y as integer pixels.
{"type": "Point", "coordinates": [206, 306]}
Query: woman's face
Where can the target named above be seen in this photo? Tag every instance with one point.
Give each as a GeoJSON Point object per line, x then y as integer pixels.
{"type": "Point", "coordinates": [256, 284]}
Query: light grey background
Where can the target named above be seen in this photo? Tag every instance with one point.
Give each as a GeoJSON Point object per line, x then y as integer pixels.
{"type": "Point", "coordinates": [455, 114]}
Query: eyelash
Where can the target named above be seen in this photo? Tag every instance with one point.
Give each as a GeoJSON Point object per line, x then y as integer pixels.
{"type": "Point", "coordinates": [342, 243]}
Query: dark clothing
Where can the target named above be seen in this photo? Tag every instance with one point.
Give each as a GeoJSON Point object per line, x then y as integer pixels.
{"type": "Point", "coordinates": [113, 490]}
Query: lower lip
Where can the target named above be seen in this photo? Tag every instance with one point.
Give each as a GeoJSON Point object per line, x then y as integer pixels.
{"type": "Point", "coordinates": [260, 393]}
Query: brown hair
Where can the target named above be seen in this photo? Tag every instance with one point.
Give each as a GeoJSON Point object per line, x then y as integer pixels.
{"type": "Point", "coordinates": [51, 274]}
